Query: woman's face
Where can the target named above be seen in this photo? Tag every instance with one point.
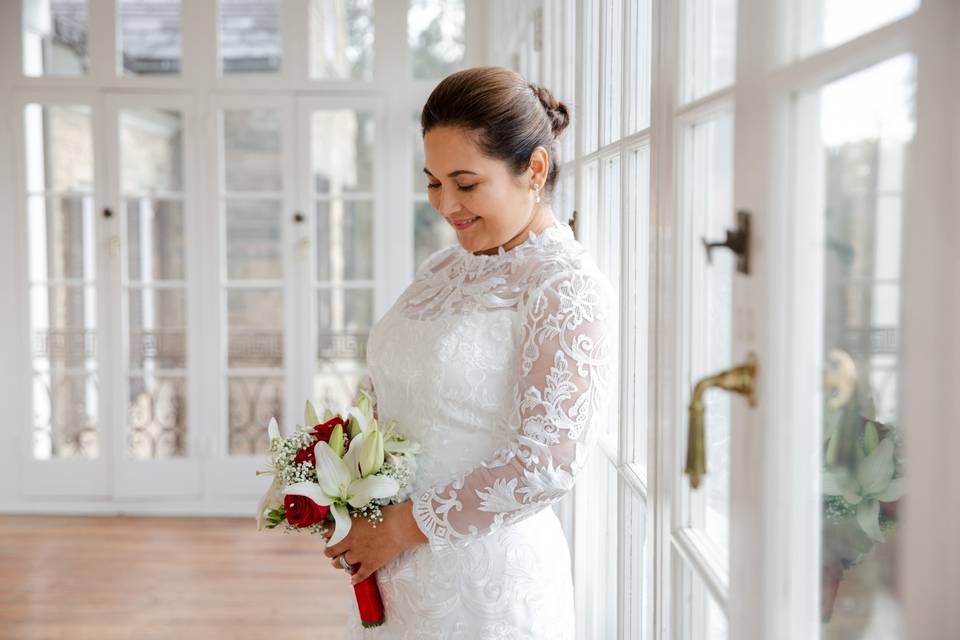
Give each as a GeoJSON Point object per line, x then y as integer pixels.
{"type": "Point", "coordinates": [463, 184]}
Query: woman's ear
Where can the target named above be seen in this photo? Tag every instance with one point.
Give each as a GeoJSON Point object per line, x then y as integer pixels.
{"type": "Point", "coordinates": [539, 164]}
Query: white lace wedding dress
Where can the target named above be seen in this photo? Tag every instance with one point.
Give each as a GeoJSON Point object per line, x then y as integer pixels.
{"type": "Point", "coordinates": [499, 366]}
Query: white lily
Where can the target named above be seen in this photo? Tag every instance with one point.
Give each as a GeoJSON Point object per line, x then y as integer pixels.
{"type": "Point", "coordinates": [395, 443]}
{"type": "Point", "coordinates": [273, 497]}
{"type": "Point", "coordinates": [873, 483]}
{"type": "Point", "coordinates": [273, 429]}
{"type": "Point", "coordinates": [340, 483]}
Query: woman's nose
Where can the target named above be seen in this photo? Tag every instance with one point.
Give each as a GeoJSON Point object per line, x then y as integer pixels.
{"type": "Point", "coordinates": [449, 203]}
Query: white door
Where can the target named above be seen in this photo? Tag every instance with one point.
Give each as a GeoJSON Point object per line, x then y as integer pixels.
{"type": "Point", "coordinates": [294, 256]}
{"type": "Point", "coordinates": [110, 201]}
{"type": "Point", "coordinates": [187, 283]}
{"type": "Point", "coordinates": [818, 134]}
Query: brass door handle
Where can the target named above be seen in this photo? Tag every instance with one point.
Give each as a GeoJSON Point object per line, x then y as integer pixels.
{"type": "Point", "coordinates": [740, 379]}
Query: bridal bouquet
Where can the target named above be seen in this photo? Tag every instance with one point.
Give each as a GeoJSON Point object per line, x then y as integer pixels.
{"type": "Point", "coordinates": [337, 469]}
{"type": "Point", "coordinates": [862, 476]}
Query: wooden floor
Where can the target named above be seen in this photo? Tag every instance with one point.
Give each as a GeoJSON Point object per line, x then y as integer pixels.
{"type": "Point", "coordinates": [142, 578]}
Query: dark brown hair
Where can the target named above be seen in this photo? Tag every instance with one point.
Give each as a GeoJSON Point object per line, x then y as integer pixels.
{"type": "Point", "coordinates": [508, 116]}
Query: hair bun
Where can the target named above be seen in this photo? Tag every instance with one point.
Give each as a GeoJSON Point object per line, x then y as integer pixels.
{"type": "Point", "coordinates": [556, 110]}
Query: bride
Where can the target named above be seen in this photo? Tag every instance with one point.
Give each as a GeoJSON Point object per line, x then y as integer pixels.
{"type": "Point", "coordinates": [496, 359]}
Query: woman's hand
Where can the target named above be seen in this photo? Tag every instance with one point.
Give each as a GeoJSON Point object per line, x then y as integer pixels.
{"type": "Point", "coordinates": [371, 547]}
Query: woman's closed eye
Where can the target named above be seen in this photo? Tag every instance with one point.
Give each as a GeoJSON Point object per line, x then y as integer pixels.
{"type": "Point", "coordinates": [466, 187]}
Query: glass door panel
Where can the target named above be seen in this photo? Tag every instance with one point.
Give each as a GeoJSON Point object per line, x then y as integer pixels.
{"type": "Point", "coordinates": [861, 130]}
{"type": "Point", "coordinates": [155, 282]}
{"type": "Point", "coordinates": [706, 203]}
{"type": "Point", "coordinates": [63, 291]}
{"type": "Point", "coordinates": [253, 269]}
{"type": "Point", "coordinates": [341, 190]}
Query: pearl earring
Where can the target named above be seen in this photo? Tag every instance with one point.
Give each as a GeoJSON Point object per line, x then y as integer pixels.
{"type": "Point", "coordinates": [536, 189]}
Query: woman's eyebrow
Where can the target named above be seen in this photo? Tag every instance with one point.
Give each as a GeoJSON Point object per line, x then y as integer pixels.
{"type": "Point", "coordinates": [452, 174]}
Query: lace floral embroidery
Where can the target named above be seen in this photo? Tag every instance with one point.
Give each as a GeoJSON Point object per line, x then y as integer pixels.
{"type": "Point", "coordinates": [565, 369]}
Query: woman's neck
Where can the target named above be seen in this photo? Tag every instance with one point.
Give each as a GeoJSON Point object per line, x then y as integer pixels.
{"type": "Point", "coordinates": [541, 221]}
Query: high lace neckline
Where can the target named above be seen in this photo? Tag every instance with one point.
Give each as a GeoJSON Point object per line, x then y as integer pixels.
{"type": "Point", "coordinates": [556, 232]}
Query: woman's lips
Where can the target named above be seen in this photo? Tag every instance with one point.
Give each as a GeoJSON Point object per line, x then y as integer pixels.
{"type": "Point", "coordinates": [467, 223]}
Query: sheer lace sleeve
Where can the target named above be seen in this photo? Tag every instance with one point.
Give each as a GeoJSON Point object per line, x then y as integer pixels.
{"type": "Point", "coordinates": [565, 368]}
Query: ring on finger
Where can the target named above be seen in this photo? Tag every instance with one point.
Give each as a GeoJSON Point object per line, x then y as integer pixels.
{"type": "Point", "coordinates": [346, 566]}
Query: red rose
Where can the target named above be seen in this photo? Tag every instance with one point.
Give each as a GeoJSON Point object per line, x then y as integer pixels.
{"type": "Point", "coordinates": [306, 455]}
{"type": "Point", "coordinates": [302, 511]}
{"type": "Point", "coordinates": [325, 430]}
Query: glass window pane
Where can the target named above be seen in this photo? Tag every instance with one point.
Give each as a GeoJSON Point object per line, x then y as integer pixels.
{"type": "Point", "coordinates": [254, 238]}
{"type": "Point", "coordinates": [431, 232]}
{"type": "Point", "coordinates": [149, 35]}
{"type": "Point", "coordinates": [612, 69]}
{"type": "Point", "coordinates": [157, 418]}
{"type": "Point", "coordinates": [701, 617]}
{"type": "Point", "coordinates": [59, 148]}
{"type": "Point", "coordinates": [61, 235]}
{"type": "Point", "coordinates": [608, 235]}
{"type": "Point", "coordinates": [252, 150]}
{"type": "Point", "coordinates": [55, 37]}
{"type": "Point", "coordinates": [639, 61]}
{"type": "Point", "coordinates": [344, 310]}
{"type": "Point", "coordinates": [249, 36]}
{"type": "Point", "coordinates": [709, 46]}
{"type": "Point", "coordinates": [341, 39]}
{"type": "Point", "coordinates": [435, 35]}
{"type": "Point", "coordinates": [636, 585]}
{"type": "Point", "coordinates": [63, 327]}
{"type": "Point", "coordinates": [155, 239]}
{"type": "Point", "coordinates": [344, 320]}
{"type": "Point", "coordinates": [597, 506]}
{"type": "Point", "coordinates": [591, 75]}
{"type": "Point", "coordinates": [151, 150]}
{"type": "Point", "coordinates": [255, 328]}
{"type": "Point", "coordinates": [567, 89]}
{"type": "Point", "coordinates": [344, 240]}
{"type": "Point", "coordinates": [252, 401]}
{"type": "Point", "coordinates": [866, 126]}
{"type": "Point", "coordinates": [707, 208]}
{"type": "Point", "coordinates": [66, 415]}
{"type": "Point", "coordinates": [827, 23]}
{"type": "Point", "coordinates": [420, 179]}
{"type": "Point", "coordinates": [563, 197]}
{"type": "Point", "coordinates": [341, 151]}
{"type": "Point", "coordinates": [158, 328]}
{"type": "Point", "coordinates": [638, 259]}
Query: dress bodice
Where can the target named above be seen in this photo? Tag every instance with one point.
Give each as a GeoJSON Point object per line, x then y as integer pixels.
{"type": "Point", "coordinates": [498, 366]}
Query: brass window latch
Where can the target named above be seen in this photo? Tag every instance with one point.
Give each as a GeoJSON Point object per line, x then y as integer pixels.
{"type": "Point", "coordinates": [740, 379]}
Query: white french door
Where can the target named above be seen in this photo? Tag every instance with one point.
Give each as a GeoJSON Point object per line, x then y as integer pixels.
{"type": "Point", "coordinates": [813, 137]}
{"type": "Point", "coordinates": [152, 257]}
{"type": "Point", "coordinates": [195, 268]}
{"type": "Point", "coordinates": [107, 226]}
{"type": "Point", "coordinates": [293, 258]}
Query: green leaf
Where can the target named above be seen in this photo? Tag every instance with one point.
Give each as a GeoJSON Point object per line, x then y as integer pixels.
{"type": "Point", "coordinates": [876, 471]}
{"type": "Point", "coordinates": [868, 517]}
